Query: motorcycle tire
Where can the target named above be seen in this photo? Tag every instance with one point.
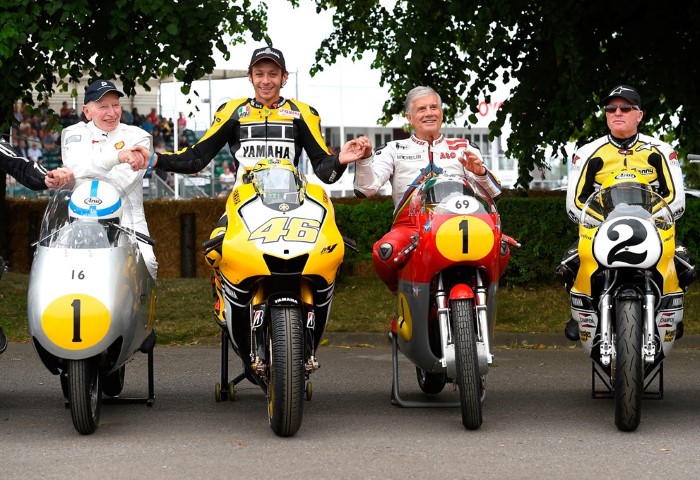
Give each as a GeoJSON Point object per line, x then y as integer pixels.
{"type": "Point", "coordinates": [113, 383]}
{"type": "Point", "coordinates": [467, 362]}
{"type": "Point", "coordinates": [629, 375]}
{"type": "Point", "coordinates": [430, 383]}
{"type": "Point", "coordinates": [85, 395]}
{"type": "Point", "coordinates": [285, 392]}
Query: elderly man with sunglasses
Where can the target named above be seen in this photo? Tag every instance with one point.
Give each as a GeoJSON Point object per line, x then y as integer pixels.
{"type": "Point", "coordinates": [623, 148]}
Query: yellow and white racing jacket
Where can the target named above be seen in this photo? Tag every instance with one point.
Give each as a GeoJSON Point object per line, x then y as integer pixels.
{"type": "Point", "coordinates": [654, 160]}
{"type": "Point", "coordinates": [254, 131]}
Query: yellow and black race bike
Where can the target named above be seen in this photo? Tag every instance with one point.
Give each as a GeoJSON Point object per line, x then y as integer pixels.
{"type": "Point", "coordinates": [626, 296]}
{"type": "Point", "coordinates": [275, 264]}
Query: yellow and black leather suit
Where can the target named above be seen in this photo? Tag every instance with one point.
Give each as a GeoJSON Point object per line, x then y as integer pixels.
{"type": "Point", "coordinates": [254, 131]}
{"type": "Point", "coordinates": [654, 160]}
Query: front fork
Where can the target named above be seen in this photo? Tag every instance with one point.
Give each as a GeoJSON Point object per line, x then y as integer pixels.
{"type": "Point", "coordinates": [606, 306]}
{"type": "Point", "coordinates": [258, 338]}
{"type": "Point", "coordinates": [443, 312]}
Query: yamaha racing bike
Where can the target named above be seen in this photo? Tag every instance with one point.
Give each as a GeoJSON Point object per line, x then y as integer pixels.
{"type": "Point", "coordinates": [275, 264]}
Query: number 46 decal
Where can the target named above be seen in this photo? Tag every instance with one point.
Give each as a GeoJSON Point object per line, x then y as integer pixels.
{"type": "Point", "coordinates": [289, 229]}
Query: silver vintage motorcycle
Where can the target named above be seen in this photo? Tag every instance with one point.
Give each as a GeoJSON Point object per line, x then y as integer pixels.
{"type": "Point", "coordinates": [91, 298]}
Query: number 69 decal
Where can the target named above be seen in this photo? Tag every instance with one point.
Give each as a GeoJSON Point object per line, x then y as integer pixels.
{"type": "Point", "coordinates": [627, 242]}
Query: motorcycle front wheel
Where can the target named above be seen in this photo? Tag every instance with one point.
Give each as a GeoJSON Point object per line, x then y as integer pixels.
{"type": "Point", "coordinates": [85, 394]}
{"type": "Point", "coordinates": [285, 392]}
{"type": "Point", "coordinates": [629, 375]}
{"type": "Point", "coordinates": [468, 378]}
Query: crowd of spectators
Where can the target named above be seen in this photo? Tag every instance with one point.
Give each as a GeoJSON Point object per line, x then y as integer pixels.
{"type": "Point", "coordinates": [38, 138]}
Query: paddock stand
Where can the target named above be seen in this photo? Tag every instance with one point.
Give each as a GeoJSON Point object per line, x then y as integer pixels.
{"type": "Point", "coordinates": [147, 347]}
{"type": "Point", "coordinates": [656, 375]}
{"type": "Point", "coordinates": [227, 393]}
{"type": "Point", "coordinates": [395, 396]}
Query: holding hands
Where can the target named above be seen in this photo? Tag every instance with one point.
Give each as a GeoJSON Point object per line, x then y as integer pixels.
{"type": "Point", "coordinates": [56, 178]}
{"type": "Point", "coordinates": [355, 149]}
{"type": "Point", "coordinates": [473, 163]}
{"type": "Point", "coordinates": [137, 156]}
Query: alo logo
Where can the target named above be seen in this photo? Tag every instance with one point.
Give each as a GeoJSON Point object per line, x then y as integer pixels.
{"type": "Point", "coordinates": [625, 176]}
{"type": "Point", "coordinates": [92, 201]}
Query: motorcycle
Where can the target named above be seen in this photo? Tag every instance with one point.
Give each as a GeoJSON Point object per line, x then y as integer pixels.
{"type": "Point", "coordinates": [91, 298]}
{"type": "Point", "coordinates": [3, 338]}
{"type": "Point", "coordinates": [446, 297]}
{"type": "Point", "coordinates": [276, 262]}
{"type": "Point", "coordinates": [626, 296]}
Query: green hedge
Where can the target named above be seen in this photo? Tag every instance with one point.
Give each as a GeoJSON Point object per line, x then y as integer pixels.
{"type": "Point", "coordinates": [539, 222]}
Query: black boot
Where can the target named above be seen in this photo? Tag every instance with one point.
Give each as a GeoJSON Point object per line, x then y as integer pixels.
{"type": "Point", "coordinates": [571, 330]}
{"type": "Point", "coordinates": [3, 341]}
{"type": "Point", "coordinates": [679, 331]}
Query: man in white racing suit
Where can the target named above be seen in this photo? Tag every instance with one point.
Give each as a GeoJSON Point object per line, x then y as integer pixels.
{"type": "Point", "coordinates": [103, 146]}
{"type": "Point", "coordinates": [406, 163]}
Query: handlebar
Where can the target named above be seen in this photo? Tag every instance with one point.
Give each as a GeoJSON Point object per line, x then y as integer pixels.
{"type": "Point", "coordinates": [693, 158]}
{"type": "Point", "coordinates": [350, 243]}
{"type": "Point", "coordinates": [511, 241]}
{"type": "Point", "coordinates": [212, 243]}
{"type": "Point", "coordinates": [409, 248]}
{"type": "Point", "coordinates": [142, 237]}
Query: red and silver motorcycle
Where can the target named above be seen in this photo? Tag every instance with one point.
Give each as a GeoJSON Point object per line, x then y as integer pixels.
{"type": "Point", "coordinates": [447, 292]}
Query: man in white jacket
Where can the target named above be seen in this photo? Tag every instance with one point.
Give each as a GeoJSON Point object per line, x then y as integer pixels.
{"type": "Point", "coordinates": [103, 147]}
{"type": "Point", "coordinates": [407, 163]}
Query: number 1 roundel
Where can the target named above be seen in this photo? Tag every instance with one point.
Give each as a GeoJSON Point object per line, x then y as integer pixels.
{"type": "Point", "coordinates": [464, 238]}
{"type": "Point", "coordinates": [76, 322]}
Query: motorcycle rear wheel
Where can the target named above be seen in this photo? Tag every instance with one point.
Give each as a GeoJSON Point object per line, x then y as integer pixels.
{"type": "Point", "coordinates": [113, 384]}
{"type": "Point", "coordinates": [85, 394]}
{"type": "Point", "coordinates": [629, 375]}
{"type": "Point", "coordinates": [468, 378]}
{"type": "Point", "coordinates": [285, 392]}
{"type": "Point", "coordinates": [430, 383]}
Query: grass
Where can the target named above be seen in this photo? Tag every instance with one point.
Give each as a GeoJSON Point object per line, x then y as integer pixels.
{"type": "Point", "coordinates": [360, 304]}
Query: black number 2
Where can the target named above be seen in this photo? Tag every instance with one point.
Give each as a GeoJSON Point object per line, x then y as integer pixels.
{"type": "Point", "coordinates": [619, 252]}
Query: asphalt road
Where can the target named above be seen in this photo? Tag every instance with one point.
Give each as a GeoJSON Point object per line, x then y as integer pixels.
{"type": "Point", "coordinates": [539, 422]}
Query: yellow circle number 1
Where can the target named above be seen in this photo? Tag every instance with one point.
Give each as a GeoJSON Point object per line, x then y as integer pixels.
{"type": "Point", "coordinates": [76, 322]}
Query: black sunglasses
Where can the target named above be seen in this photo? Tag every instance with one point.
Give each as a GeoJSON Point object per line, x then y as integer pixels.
{"type": "Point", "coordinates": [624, 108]}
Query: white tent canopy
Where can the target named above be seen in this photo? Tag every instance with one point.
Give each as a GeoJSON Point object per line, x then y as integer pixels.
{"type": "Point", "coordinates": [144, 100]}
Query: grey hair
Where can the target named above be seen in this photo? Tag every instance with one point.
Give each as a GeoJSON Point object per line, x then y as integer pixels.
{"type": "Point", "coordinates": [416, 93]}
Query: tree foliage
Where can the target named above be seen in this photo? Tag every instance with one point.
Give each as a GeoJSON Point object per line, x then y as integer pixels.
{"type": "Point", "coordinates": [47, 45]}
{"type": "Point", "coordinates": [563, 55]}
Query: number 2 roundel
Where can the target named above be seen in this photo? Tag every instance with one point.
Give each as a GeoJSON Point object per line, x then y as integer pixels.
{"type": "Point", "coordinates": [627, 242]}
{"type": "Point", "coordinates": [464, 238]}
{"type": "Point", "coordinates": [75, 322]}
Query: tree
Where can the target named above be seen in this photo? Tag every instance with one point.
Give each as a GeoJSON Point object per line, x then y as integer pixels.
{"type": "Point", "coordinates": [564, 55]}
{"type": "Point", "coordinates": [46, 45]}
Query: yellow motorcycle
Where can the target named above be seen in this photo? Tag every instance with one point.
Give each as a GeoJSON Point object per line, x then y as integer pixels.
{"type": "Point", "coordinates": [626, 296]}
{"type": "Point", "coordinates": [275, 266]}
